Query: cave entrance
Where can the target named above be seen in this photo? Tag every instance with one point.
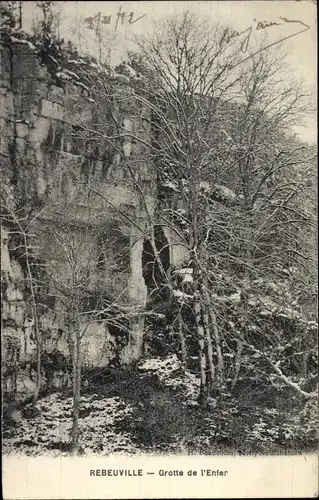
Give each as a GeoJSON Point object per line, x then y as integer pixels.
{"type": "Point", "coordinates": [156, 287]}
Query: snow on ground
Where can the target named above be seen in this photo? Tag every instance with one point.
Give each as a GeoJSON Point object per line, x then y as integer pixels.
{"type": "Point", "coordinates": [97, 432]}
{"type": "Point", "coordinates": [49, 433]}
{"type": "Point", "coordinates": [163, 368]}
{"type": "Point", "coordinates": [169, 372]}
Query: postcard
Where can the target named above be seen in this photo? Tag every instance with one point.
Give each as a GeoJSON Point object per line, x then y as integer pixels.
{"type": "Point", "coordinates": [158, 249]}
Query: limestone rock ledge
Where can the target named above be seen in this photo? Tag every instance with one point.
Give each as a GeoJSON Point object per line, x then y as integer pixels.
{"type": "Point", "coordinates": [45, 166]}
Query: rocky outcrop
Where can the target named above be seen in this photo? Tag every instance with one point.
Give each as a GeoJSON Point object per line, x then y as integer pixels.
{"type": "Point", "coordinates": [46, 166]}
{"type": "Point", "coordinates": [78, 158]}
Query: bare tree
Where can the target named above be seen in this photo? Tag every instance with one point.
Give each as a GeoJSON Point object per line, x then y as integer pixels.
{"type": "Point", "coordinates": [24, 246]}
{"type": "Point", "coordinates": [86, 274]}
{"type": "Point", "coordinates": [183, 88]}
{"type": "Point", "coordinates": [229, 175]}
{"type": "Point", "coordinates": [191, 81]}
{"type": "Point", "coordinates": [68, 246]}
{"type": "Point", "coordinates": [48, 23]}
{"type": "Point", "coordinates": [228, 178]}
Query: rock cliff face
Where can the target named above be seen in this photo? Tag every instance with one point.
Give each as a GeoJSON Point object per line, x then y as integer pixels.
{"type": "Point", "coordinates": [46, 168]}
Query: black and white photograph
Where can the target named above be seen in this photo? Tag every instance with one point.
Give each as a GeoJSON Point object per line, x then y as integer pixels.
{"type": "Point", "coordinates": [158, 229]}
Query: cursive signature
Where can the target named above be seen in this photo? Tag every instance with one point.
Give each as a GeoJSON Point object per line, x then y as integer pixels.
{"type": "Point", "coordinates": [261, 25]}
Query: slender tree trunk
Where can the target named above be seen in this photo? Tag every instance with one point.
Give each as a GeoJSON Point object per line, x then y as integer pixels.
{"type": "Point", "coordinates": [237, 363]}
{"type": "Point", "coordinates": [20, 15]}
{"type": "Point", "coordinates": [25, 236]}
{"type": "Point", "coordinates": [202, 354]}
{"type": "Point", "coordinates": [304, 369]}
{"type": "Point", "coordinates": [76, 362]}
{"type": "Point", "coordinates": [210, 373]}
{"type": "Point", "coordinates": [35, 320]}
{"type": "Point", "coordinates": [182, 341]}
{"type": "Point", "coordinates": [220, 359]}
{"type": "Point", "coordinates": [158, 258]}
{"type": "Point", "coordinates": [214, 325]}
{"type": "Point", "coordinates": [15, 378]}
{"type": "Point", "coordinates": [38, 375]}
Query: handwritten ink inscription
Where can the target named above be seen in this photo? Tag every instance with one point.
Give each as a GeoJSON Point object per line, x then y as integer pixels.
{"type": "Point", "coordinates": [96, 21]}
{"type": "Point", "coordinates": [261, 25]}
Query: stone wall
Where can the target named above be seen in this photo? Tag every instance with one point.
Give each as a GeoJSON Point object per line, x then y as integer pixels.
{"type": "Point", "coordinates": [45, 169]}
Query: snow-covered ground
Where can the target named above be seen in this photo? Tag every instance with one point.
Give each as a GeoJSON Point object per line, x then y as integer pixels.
{"type": "Point", "coordinates": [100, 417]}
{"type": "Point", "coordinates": [154, 409]}
{"type": "Point", "coordinates": [49, 432]}
{"type": "Point", "coordinates": [169, 372]}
